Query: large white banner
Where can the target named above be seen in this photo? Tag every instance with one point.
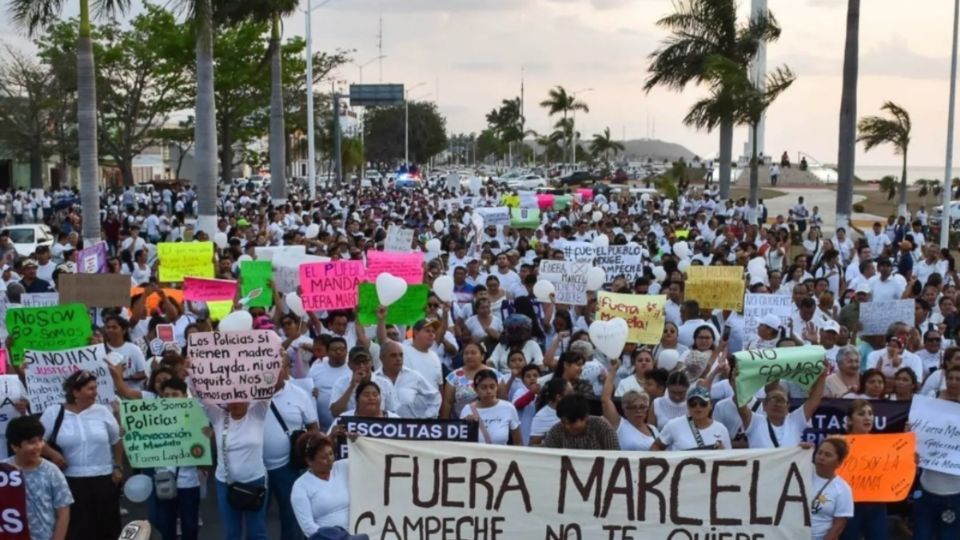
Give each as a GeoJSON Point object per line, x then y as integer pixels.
{"type": "Point", "coordinates": [410, 490]}
{"type": "Point", "coordinates": [938, 435]}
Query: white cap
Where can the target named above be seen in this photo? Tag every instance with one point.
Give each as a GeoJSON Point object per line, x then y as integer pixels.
{"type": "Point", "coordinates": [830, 325]}
{"type": "Point", "coordinates": [771, 320]}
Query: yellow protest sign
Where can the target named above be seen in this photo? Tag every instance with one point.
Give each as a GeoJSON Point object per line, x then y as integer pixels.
{"type": "Point", "coordinates": [181, 259]}
{"type": "Point", "coordinates": [219, 309]}
{"type": "Point", "coordinates": [715, 287]}
{"type": "Point", "coordinates": [643, 312]}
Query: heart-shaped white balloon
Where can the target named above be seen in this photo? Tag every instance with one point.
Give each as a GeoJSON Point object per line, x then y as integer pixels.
{"type": "Point", "coordinates": [237, 321]}
{"type": "Point", "coordinates": [601, 240]}
{"type": "Point", "coordinates": [433, 245]}
{"type": "Point", "coordinates": [295, 304]}
{"type": "Point", "coordinates": [438, 226]}
{"type": "Point", "coordinates": [659, 273]}
{"type": "Point", "coordinates": [605, 208]}
{"type": "Point", "coordinates": [587, 208]}
{"type": "Point", "coordinates": [390, 288]}
{"type": "Point", "coordinates": [244, 257]}
{"type": "Point", "coordinates": [543, 289]}
{"type": "Point", "coordinates": [313, 230]}
{"type": "Point", "coordinates": [668, 359]}
{"type": "Point", "coordinates": [597, 216]}
{"type": "Point", "coordinates": [596, 277]}
{"type": "Point", "coordinates": [138, 488]}
{"type": "Point", "coordinates": [683, 265]}
{"type": "Point", "coordinates": [220, 239]}
{"type": "Point", "coordinates": [756, 264]}
{"type": "Point", "coordinates": [681, 249]}
{"type": "Point", "coordinates": [609, 337]}
{"type": "Point", "coordinates": [443, 287]}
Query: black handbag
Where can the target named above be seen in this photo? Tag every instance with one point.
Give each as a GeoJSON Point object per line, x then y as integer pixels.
{"type": "Point", "coordinates": [297, 461]}
{"type": "Point", "coordinates": [52, 443]}
{"type": "Point", "coordinates": [240, 496]}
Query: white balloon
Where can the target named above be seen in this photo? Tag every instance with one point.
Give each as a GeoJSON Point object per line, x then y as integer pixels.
{"type": "Point", "coordinates": [681, 249]}
{"type": "Point", "coordinates": [587, 208]}
{"type": "Point", "coordinates": [443, 286]}
{"type": "Point", "coordinates": [605, 208]}
{"type": "Point", "coordinates": [138, 488]}
{"type": "Point", "coordinates": [390, 288]}
{"type": "Point", "coordinates": [355, 216]}
{"type": "Point", "coordinates": [683, 265]}
{"type": "Point", "coordinates": [237, 321]}
{"type": "Point", "coordinates": [543, 289]}
{"type": "Point", "coordinates": [244, 257]}
{"type": "Point", "coordinates": [295, 304]}
{"type": "Point", "coordinates": [601, 240]}
{"type": "Point", "coordinates": [597, 216]}
{"type": "Point", "coordinates": [433, 245]}
{"type": "Point", "coordinates": [313, 230]}
{"type": "Point", "coordinates": [220, 239]}
{"type": "Point", "coordinates": [438, 226]}
{"type": "Point", "coordinates": [757, 263]}
{"type": "Point", "coordinates": [609, 337]}
{"type": "Point", "coordinates": [596, 277]}
{"type": "Point", "coordinates": [659, 273]}
{"type": "Point", "coordinates": [668, 359]}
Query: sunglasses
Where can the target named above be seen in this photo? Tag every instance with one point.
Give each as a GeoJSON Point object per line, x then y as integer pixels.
{"type": "Point", "coordinates": [697, 403]}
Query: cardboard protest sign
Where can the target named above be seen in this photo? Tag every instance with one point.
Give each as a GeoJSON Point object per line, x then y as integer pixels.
{"type": "Point", "coordinates": [644, 314]}
{"type": "Point", "coordinates": [410, 308]}
{"type": "Point", "coordinates": [330, 285]}
{"type": "Point", "coordinates": [286, 270]}
{"type": "Point", "coordinates": [234, 366]}
{"type": "Point", "coordinates": [95, 290]}
{"type": "Point", "coordinates": [561, 202]}
{"type": "Point", "coordinates": [756, 306]}
{"type": "Point", "coordinates": [557, 493]}
{"type": "Point", "coordinates": [545, 201]}
{"type": "Point", "coordinates": [528, 199]}
{"type": "Point", "coordinates": [499, 215]}
{"type": "Point", "coordinates": [46, 371]}
{"type": "Point", "coordinates": [165, 433]}
{"type": "Point", "coordinates": [876, 317]}
{"type": "Point", "coordinates": [757, 368]}
{"type": "Point", "coordinates": [3, 361]}
{"type": "Point", "coordinates": [525, 218]}
{"type": "Point", "coordinates": [181, 259]}
{"type": "Point", "coordinates": [42, 299]}
{"type": "Point", "coordinates": [203, 290]}
{"type": "Point", "coordinates": [153, 301]}
{"type": "Point", "coordinates": [715, 287]}
{"type": "Point", "coordinates": [398, 239]}
{"type": "Point", "coordinates": [257, 275]}
{"type": "Point", "coordinates": [935, 422]}
{"type": "Point", "coordinates": [405, 429]}
{"type": "Point", "coordinates": [93, 260]}
{"type": "Point", "coordinates": [47, 329]}
{"type": "Point", "coordinates": [406, 266]}
{"type": "Point", "coordinates": [13, 500]}
{"type": "Point", "coordinates": [626, 261]}
{"type": "Point", "coordinates": [880, 467]}
{"type": "Point", "coordinates": [569, 279]}
{"type": "Point", "coordinates": [11, 392]}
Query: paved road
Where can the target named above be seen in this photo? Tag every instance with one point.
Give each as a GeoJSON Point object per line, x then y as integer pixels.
{"type": "Point", "coordinates": [825, 199]}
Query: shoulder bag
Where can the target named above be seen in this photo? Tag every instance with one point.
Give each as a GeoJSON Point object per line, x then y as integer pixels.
{"type": "Point", "coordinates": [241, 497]}
{"type": "Point", "coordinates": [52, 443]}
{"type": "Point", "coordinates": [296, 460]}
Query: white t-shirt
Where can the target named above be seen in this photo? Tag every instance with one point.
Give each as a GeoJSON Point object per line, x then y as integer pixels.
{"type": "Point", "coordinates": [13, 390]}
{"type": "Point", "coordinates": [424, 363]}
{"type": "Point", "coordinates": [677, 435]}
{"type": "Point", "coordinates": [545, 419]}
{"type": "Point", "coordinates": [244, 446]}
{"type": "Point", "coordinates": [789, 434]}
{"type": "Point", "coordinates": [878, 359]}
{"type": "Point", "coordinates": [498, 420]}
{"type": "Point", "coordinates": [321, 503]}
{"type": "Point", "coordinates": [476, 329]}
{"type": "Point", "coordinates": [666, 410]}
{"type": "Point", "coordinates": [324, 377]}
{"type": "Point", "coordinates": [298, 410]}
{"type": "Point", "coordinates": [835, 500]}
{"type": "Point", "coordinates": [632, 438]}
{"type": "Point", "coordinates": [501, 353]}
{"type": "Point", "coordinates": [134, 363]}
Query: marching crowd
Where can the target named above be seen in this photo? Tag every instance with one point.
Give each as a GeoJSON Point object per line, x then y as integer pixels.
{"type": "Point", "coordinates": [521, 365]}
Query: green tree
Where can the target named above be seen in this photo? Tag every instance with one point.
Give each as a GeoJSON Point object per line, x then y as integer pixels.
{"type": "Point", "coordinates": [34, 15]}
{"type": "Point", "coordinates": [62, 62]}
{"type": "Point", "coordinates": [179, 137]}
{"type": "Point", "coordinates": [700, 30]}
{"type": "Point", "coordinates": [847, 143]}
{"type": "Point", "coordinates": [384, 127]}
{"type": "Point", "coordinates": [560, 102]}
{"type": "Point", "coordinates": [603, 143]}
{"type": "Point", "coordinates": [26, 105]}
{"type": "Point", "coordinates": [507, 122]}
{"type": "Point", "coordinates": [893, 130]}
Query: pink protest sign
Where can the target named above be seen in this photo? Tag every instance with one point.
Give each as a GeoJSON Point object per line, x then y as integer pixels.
{"type": "Point", "coordinates": [407, 266]}
{"type": "Point", "coordinates": [585, 193]}
{"type": "Point", "coordinates": [330, 285]}
{"type": "Point", "coordinates": [545, 201]}
{"type": "Point", "coordinates": [203, 290]}
{"type": "Point", "coordinates": [228, 367]}
{"type": "Point", "coordinates": [3, 361]}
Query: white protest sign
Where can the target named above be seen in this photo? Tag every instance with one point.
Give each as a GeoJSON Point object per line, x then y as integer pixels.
{"type": "Point", "coordinates": [11, 391]}
{"type": "Point", "coordinates": [286, 270]}
{"type": "Point", "coordinates": [626, 261]}
{"type": "Point", "coordinates": [528, 199]}
{"type": "Point", "coordinates": [876, 317]}
{"type": "Point", "coordinates": [44, 299]}
{"type": "Point", "coordinates": [499, 215]}
{"type": "Point", "coordinates": [46, 371]}
{"type": "Point", "coordinates": [269, 253]}
{"type": "Point", "coordinates": [935, 421]}
{"type": "Point", "coordinates": [576, 250]}
{"type": "Point", "coordinates": [569, 279]}
{"type": "Point", "coordinates": [756, 306]}
{"type": "Point", "coordinates": [227, 367]}
{"type": "Point", "coordinates": [570, 494]}
{"type": "Point", "coordinates": [398, 239]}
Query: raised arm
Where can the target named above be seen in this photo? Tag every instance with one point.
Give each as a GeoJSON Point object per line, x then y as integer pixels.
{"type": "Point", "coordinates": [816, 392]}
{"type": "Point", "coordinates": [610, 413]}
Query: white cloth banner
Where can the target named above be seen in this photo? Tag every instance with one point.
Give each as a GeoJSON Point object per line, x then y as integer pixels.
{"type": "Point", "coordinates": [46, 371]}
{"type": "Point", "coordinates": [405, 489]}
{"type": "Point", "coordinates": [756, 306]}
{"type": "Point", "coordinates": [935, 421]}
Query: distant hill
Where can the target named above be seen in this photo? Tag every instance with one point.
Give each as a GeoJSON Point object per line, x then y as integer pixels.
{"type": "Point", "coordinates": [638, 149]}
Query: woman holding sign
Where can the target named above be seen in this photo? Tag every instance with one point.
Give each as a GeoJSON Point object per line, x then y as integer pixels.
{"type": "Point", "coordinates": [869, 520]}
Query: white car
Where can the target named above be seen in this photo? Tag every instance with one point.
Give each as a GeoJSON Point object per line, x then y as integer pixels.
{"type": "Point", "coordinates": [936, 214]}
{"type": "Point", "coordinates": [26, 238]}
{"type": "Point", "coordinates": [526, 181]}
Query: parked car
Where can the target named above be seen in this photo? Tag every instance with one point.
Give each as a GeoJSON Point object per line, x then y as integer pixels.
{"type": "Point", "coordinates": [936, 214]}
{"type": "Point", "coordinates": [527, 181]}
{"type": "Point", "coordinates": [576, 178]}
{"type": "Point", "coordinates": [26, 238]}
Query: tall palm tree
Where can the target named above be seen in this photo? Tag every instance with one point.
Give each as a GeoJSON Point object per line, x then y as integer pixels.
{"type": "Point", "coordinates": [847, 144]}
{"type": "Point", "coordinates": [895, 130]}
{"type": "Point", "coordinates": [925, 187]}
{"type": "Point", "coordinates": [701, 29]}
{"type": "Point", "coordinates": [560, 102]}
{"type": "Point", "coordinates": [34, 15]}
{"type": "Point", "coordinates": [603, 144]}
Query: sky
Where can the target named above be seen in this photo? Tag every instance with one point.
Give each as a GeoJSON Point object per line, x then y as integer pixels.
{"type": "Point", "coordinates": [470, 53]}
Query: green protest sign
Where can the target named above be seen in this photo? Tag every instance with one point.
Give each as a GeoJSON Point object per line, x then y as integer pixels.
{"type": "Point", "coordinates": [758, 367]}
{"type": "Point", "coordinates": [257, 275]}
{"type": "Point", "coordinates": [561, 202]}
{"type": "Point", "coordinates": [165, 433]}
{"type": "Point", "coordinates": [48, 328]}
{"type": "Point", "coordinates": [409, 309]}
{"type": "Point", "coordinates": [524, 218]}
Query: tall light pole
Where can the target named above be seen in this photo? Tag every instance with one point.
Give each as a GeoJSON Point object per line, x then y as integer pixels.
{"type": "Point", "coordinates": [406, 122]}
{"type": "Point", "coordinates": [311, 133]}
{"type": "Point", "coordinates": [363, 150]}
{"type": "Point", "coordinates": [946, 216]}
{"type": "Point", "coordinates": [573, 130]}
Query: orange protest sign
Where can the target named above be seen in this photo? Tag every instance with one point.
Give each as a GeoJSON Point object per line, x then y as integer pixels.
{"type": "Point", "coordinates": [880, 467]}
{"type": "Point", "coordinates": [153, 301]}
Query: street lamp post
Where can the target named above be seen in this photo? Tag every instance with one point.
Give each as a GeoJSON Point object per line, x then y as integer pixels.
{"type": "Point", "coordinates": [311, 133]}
{"type": "Point", "coordinates": [406, 122]}
{"type": "Point", "coordinates": [573, 131]}
{"type": "Point", "coordinates": [946, 216]}
{"type": "Point", "coordinates": [363, 149]}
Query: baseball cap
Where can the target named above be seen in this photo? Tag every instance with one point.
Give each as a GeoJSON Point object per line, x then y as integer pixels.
{"type": "Point", "coordinates": [830, 326]}
{"type": "Point", "coordinates": [30, 262]}
{"type": "Point", "coordinates": [771, 320]}
{"type": "Point", "coordinates": [863, 288]}
{"type": "Point", "coordinates": [358, 353]}
{"type": "Point", "coordinates": [698, 392]}
{"type": "Point", "coordinates": [423, 323]}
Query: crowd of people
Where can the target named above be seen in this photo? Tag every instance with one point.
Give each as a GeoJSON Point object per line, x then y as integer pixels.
{"type": "Point", "coordinates": [525, 369]}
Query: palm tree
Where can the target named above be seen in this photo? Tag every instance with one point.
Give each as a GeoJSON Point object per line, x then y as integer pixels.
{"type": "Point", "coordinates": [559, 101]}
{"type": "Point", "coordinates": [34, 15]}
{"type": "Point", "coordinates": [925, 187]}
{"type": "Point", "coordinates": [205, 128]}
{"type": "Point", "coordinates": [603, 143]}
{"type": "Point", "coordinates": [701, 29]}
{"type": "Point", "coordinates": [877, 130]}
{"type": "Point", "coordinates": [888, 185]}
{"type": "Point", "coordinates": [847, 144]}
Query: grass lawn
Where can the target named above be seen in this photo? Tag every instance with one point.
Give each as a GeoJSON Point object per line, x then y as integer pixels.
{"type": "Point", "coordinates": [878, 204]}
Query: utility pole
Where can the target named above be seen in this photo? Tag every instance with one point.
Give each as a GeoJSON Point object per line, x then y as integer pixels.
{"type": "Point", "coordinates": [380, 48]}
{"type": "Point", "coordinates": [946, 217]}
{"type": "Point", "coordinates": [336, 139]}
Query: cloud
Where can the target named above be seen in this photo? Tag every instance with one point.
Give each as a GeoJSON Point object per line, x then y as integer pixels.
{"type": "Point", "coordinates": [440, 6]}
{"type": "Point", "coordinates": [893, 58]}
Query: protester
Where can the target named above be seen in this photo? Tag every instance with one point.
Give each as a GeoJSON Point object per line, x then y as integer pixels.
{"type": "Point", "coordinates": [321, 496]}
{"type": "Point", "coordinates": [578, 430]}
{"type": "Point", "coordinates": [498, 419]}
{"type": "Point", "coordinates": [832, 502]}
{"type": "Point", "coordinates": [869, 520]}
{"type": "Point", "coordinates": [697, 431]}
{"type": "Point", "coordinates": [633, 432]}
{"type": "Point", "coordinates": [546, 417]}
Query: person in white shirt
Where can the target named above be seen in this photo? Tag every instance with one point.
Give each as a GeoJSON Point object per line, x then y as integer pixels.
{"type": "Point", "coordinates": [777, 427]}
{"type": "Point", "coordinates": [877, 239]}
{"type": "Point", "coordinates": [893, 357]}
{"type": "Point", "coordinates": [886, 285]}
{"type": "Point", "coordinates": [321, 497]}
{"type": "Point", "coordinates": [832, 499]}
{"type": "Point", "coordinates": [326, 372]}
{"type": "Point", "coordinates": [418, 353]}
{"type": "Point", "coordinates": [696, 431]}
{"type": "Point", "coordinates": [499, 422]}
{"type": "Point", "coordinates": [415, 396]}
{"type": "Point", "coordinates": [930, 264]}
